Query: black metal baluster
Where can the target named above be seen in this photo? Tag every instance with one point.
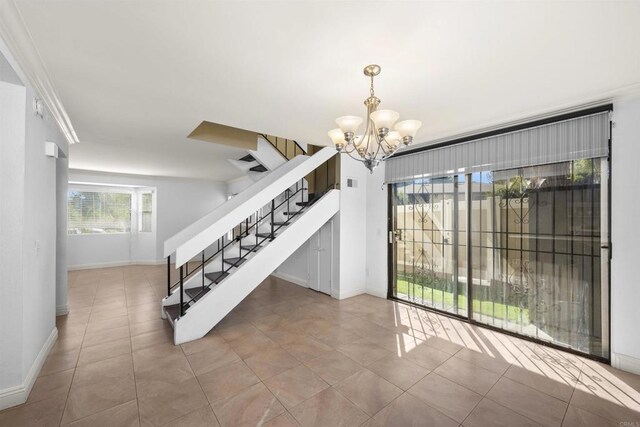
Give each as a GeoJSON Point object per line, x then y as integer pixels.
{"type": "Point", "coordinates": [203, 270]}
{"type": "Point", "coordinates": [181, 291]}
{"type": "Point", "coordinates": [169, 275]}
{"type": "Point", "coordinates": [273, 207]}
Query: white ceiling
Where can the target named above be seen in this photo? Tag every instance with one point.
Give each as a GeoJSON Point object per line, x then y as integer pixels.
{"type": "Point", "coordinates": [137, 77]}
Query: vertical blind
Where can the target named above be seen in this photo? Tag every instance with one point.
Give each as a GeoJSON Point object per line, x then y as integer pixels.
{"type": "Point", "coordinates": [95, 212]}
{"type": "Point", "coordinates": [572, 139]}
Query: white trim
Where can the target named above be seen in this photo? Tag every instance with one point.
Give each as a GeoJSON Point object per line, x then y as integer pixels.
{"type": "Point", "coordinates": [116, 264]}
{"type": "Point", "coordinates": [349, 294]}
{"type": "Point", "coordinates": [377, 293]}
{"type": "Point", "coordinates": [16, 35]}
{"type": "Point", "coordinates": [17, 395]}
{"type": "Point", "coordinates": [625, 363]}
{"type": "Point", "coordinates": [62, 310]}
{"type": "Point", "coordinates": [295, 280]}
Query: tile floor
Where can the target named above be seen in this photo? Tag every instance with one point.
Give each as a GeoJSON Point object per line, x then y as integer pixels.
{"type": "Point", "coordinates": [288, 356]}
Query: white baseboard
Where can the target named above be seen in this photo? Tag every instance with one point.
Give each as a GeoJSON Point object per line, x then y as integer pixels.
{"type": "Point", "coordinates": [17, 395]}
{"type": "Point", "coordinates": [377, 293]}
{"type": "Point", "coordinates": [62, 310]}
{"type": "Point", "coordinates": [116, 264]}
{"type": "Point", "coordinates": [351, 293]}
{"type": "Point", "coordinates": [296, 280]}
{"type": "Point", "coordinates": [625, 363]}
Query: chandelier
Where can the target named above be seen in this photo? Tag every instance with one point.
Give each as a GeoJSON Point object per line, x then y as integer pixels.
{"type": "Point", "coordinates": [378, 142]}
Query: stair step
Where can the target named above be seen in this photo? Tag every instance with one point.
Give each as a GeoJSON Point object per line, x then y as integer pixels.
{"type": "Point", "coordinates": [265, 235]}
{"type": "Point", "coordinates": [290, 213]}
{"type": "Point", "coordinates": [281, 223]}
{"type": "Point", "coordinates": [250, 247]}
{"type": "Point", "coordinates": [237, 261]}
{"type": "Point", "coordinates": [248, 158]}
{"type": "Point", "coordinates": [173, 311]}
{"type": "Point", "coordinates": [258, 168]}
{"type": "Point", "coordinates": [196, 293]}
{"type": "Point", "coordinates": [216, 276]}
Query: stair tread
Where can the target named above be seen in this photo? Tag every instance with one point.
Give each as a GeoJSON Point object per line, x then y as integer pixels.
{"type": "Point", "coordinates": [237, 261]}
{"type": "Point", "coordinates": [258, 168]}
{"type": "Point", "coordinates": [250, 247]}
{"type": "Point", "coordinates": [248, 158]}
{"type": "Point", "coordinates": [197, 293]}
{"type": "Point", "coordinates": [173, 311]}
{"type": "Point", "coordinates": [265, 234]}
{"type": "Point", "coordinates": [216, 276]}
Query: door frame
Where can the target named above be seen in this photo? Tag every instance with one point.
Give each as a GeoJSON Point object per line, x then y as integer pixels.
{"type": "Point", "coordinates": [606, 322]}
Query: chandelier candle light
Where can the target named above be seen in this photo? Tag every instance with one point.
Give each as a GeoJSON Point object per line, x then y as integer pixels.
{"type": "Point", "coordinates": [377, 143]}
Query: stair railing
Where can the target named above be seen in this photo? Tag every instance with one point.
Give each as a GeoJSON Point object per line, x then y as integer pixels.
{"type": "Point", "coordinates": [252, 222]}
{"type": "Point", "coordinates": [288, 148]}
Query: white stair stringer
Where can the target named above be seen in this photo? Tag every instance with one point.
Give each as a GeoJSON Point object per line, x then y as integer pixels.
{"type": "Point", "coordinates": [221, 299]}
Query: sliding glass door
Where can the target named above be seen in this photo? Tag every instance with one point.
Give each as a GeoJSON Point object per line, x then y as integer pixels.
{"type": "Point", "coordinates": [538, 260]}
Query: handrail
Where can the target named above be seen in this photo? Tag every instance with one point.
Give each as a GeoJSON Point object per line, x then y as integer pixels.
{"type": "Point", "coordinates": [201, 234]}
{"type": "Point", "coordinates": [234, 239]}
{"type": "Point", "coordinates": [297, 149]}
{"type": "Point", "coordinates": [288, 196]}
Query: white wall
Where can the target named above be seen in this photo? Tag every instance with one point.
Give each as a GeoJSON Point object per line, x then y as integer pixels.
{"type": "Point", "coordinates": [296, 268]}
{"type": "Point", "coordinates": [179, 202]}
{"type": "Point", "coordinates": [28, 234]}
{"type": "Point", "coordinates": [625, 235]}
{"type": "Point", "coordinates": [376, 238]}
{"type": "Point", "coordinates": [351, 230]}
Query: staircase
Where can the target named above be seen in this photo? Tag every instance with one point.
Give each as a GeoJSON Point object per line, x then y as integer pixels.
{"type": "Point", "coordinates": [241, 243]}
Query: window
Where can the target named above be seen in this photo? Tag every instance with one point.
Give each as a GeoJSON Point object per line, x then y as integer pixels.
{"type": "Point", "coordinates": [145, 219]}
{"type": "Point", "coordinates": [98, 212]}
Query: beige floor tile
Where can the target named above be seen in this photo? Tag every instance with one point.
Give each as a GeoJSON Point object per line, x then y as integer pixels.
{"type": "Point", "coordinates": [108, 323]}
{"type": "Point", "coordinates": [606, 398]}
{"type": "Point", "coordinates": [283, 420]}
{"type": "Point", "coordinates": [59, 362]}
{"type": "Point", "coordinates": [251, 406]}
{"type": "Point", "coordinates": [493, 362]}
{"type": "Point", "coordinates": [468, 375]}
{"type": "Point", "coordinates": [295, 385]}
{"type": "Point", "coordinates": [213, 358]}
{"type": "Point", "coordinates": [306, 348]}
{"type": "Point", "coordinates": [105, 336]}
{"type": "Point", "coordinates": [368, 391]}
{"type": "Point", "coordinates": [104, 351]}
{"type": "Point", "coordinates": [446, 396]}
{"type": "Point", "coordinates": [66, 343]}
{"type": "Point", "coordinates": [99, 386]}
{"type": "Point", "coordinates": [363, 351]}
{"type": "Point", "coordinates": [227, 381]}
{"type": "Point", "coordinates": [136, 329]}
{"type": "Point", "coordinates": [526, 401]}
{"type": "Point", "coordinates": [124, 415]}
{"type": "Point", "coordinates": [152, 338]}
{"type": "Point", "coordinates": [271, 362]}
{"type": "Point", "coordinates": [406, 410]}
{"type": "Point", "coordinates": [199, 418]}
{"type": "Point", "coordinates": [399, 371]}
{"type": "Point", "coordinates": [169, 401]}
{"type": "Point", "coordinates": [578, 417]}
{"type": "Point", "coordinates": [45, 413]}
{"type": "Point", "coordinates": [211, 341]}
{"type": "Point", "coordinates": [548, 381]}
{"type": "Point", "coordinates": [491, 414]}
{"type": "Point", "coordinates": [251, 344]}
{"type": "Point", "coordinates": [333, 367]}
{"type": "Point", "coordinates": [49, 386]}
{"type": "Point", "coordinates": [427, 356]}
{"type": "Point", "coordinates": [233, 332]}
{"type": "Point", "coordinates": [328, 408]}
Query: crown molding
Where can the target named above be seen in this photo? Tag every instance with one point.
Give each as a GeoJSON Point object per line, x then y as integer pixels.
{"type": "Point", "coordinates": [17, 38]}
